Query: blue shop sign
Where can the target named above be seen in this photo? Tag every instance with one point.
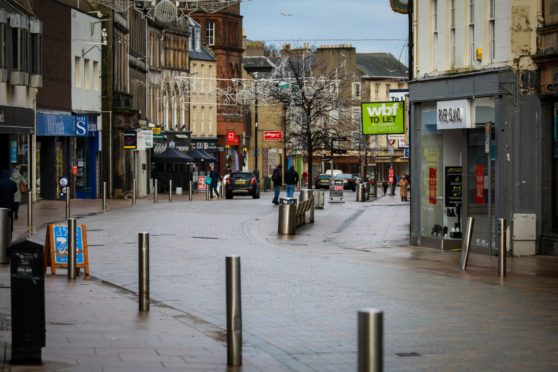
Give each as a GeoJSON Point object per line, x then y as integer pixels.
{"type": "Point", "coordinates": [66, 125]}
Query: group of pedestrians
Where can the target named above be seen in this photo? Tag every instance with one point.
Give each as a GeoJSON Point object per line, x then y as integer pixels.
{"type": "Point", "coordinates": [403, 187]}
{"type": "Point", "coordinates": [12, 185]}
{"type": "Point", "coordinates": [291, 179]}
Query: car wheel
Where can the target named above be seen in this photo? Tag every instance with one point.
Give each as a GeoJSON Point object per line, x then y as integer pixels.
{"type": "Point", "coordinates": [228, 196]}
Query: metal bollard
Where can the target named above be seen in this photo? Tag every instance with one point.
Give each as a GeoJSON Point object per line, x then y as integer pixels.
{"type": "Point", "coordinates": [104, 196]}
{"type": "Point", "coordinates": [170, 191]}
{"type": "Point", "coordinates": [307, 194]}
{"type": "Point", "coordinates": [370, 340]}
{"type": "Point", "coordinates": [206, 192]}
{"type": "Point", "coordinates": [223, 190]}
{"type": "Point", "coordinates": [468, 238]}
{"type": "Point", "coordinates": [143, 271]}
{"type": "Point", "coordinates": [134, 188]}
{"type": "Point", "coordinates": [72, 248]}
{"type": "Point", "coordinates": [287, 216]}
{"type": "Point", "coordinates": [319, 198]}
{"type": "Point", "coordinates": [234, 312]}
{"type": "Point", "coordinates": [31, 228]}
{"type": "Point", "coordinates": [5, 233]}
{"type": "Point", "coordinates": [502, 253]}
{"type": "Point", "coordinates": [155, 194]}
{"type": "Point", "coordinates": [68, 202]}
{"type": "Point", "coordinates": [190, 190]}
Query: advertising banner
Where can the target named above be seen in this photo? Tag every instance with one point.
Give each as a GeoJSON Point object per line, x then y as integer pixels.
{"type": "Point", "coordinates": [383, 117]}
{"type": "Point", "coordinates": [432, 186]}
{"type": "Point", "coordinates": [479, 184]}
{"type": "Point", "coordinates": [273, 135]}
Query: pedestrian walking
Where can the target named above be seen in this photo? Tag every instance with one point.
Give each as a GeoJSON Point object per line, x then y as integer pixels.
{"type": "Point", "coordinates": [21, 184]}
{"type": "Point", "coordinates": [8, 189]}
{"type": "Point", "coordinates": [403, 184]}
{"type": "Point", "coordinates": [385, 186]}
{"type": "Point", "coordinates": [277, 179]}
{"type": "Point", "coordinates": [215, 178]}
{"type": "Point", "coordinates": [291, 179]}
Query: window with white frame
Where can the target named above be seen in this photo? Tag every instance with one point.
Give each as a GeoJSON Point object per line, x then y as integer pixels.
{"type": "Point", "coordinates": [210, 33]}
{"type": "Point", "coordinates": [202, 119]}
{"type": "Point", "coordinates": [197, 40]}
{"type": "Point", "coordinates": [492, 30]}
{"type": "Point", "coordinates": [452, 33]}
{"type": "Point", "coordinates": [356, 91]}
{"type": "Point", "coordinates": [435, 35]}
{"type": "Point", "coordinates": [472, 54]}
{"type": "Point", "coordinates": [182, 112]}
{"type": "Point", "coordinates": [78, 72]}
{"type": "Point", "coordinates": [202, 79]}
{"type": "Point", "coordinates": [87, 73]}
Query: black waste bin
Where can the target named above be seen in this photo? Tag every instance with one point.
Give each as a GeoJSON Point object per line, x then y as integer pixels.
{"type": "Point", "coordinates": [27, 279]}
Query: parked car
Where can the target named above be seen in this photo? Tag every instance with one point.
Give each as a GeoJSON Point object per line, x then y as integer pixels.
{"type": "Point", "coordinates": [349, 181]}
{"type": "Point", "coordinates": [322, 181]}
{"type": "Point", "coordinates": [242, 183]}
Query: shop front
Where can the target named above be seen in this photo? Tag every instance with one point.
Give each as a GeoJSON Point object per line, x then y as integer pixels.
{"type": "Point", "coordinates": [68, 145]}
{"type": "Point", "coordinates": [464, 139]}
{"type": "Point", "coordinates": [16, 128]}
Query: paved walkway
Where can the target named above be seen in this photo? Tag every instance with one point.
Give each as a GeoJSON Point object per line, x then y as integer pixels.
{"type": "Point", "coordinates": [301, 293]}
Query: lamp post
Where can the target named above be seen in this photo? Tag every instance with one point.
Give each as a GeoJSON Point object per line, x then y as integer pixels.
{"type": "Point", "coordinates": [256, 125]}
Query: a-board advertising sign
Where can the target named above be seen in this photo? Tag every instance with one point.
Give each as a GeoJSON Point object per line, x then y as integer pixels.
{"type": "Point", "coordinates": [454, 186]}
{"type": "Point", "coordinates": [383, 117]}
{"type": "Point", "coordinates": [56, 247]}
{"type": "Point", "coordinates": [202, 186]}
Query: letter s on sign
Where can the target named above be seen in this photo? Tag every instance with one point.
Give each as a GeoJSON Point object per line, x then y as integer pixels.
{"type": "Point", "coordinates": [81, 129]}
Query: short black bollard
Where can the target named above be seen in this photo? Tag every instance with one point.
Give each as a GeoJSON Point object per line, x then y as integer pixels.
{"type": "Point", "coordinates": [72, 248]}
{"type": "Point", "coordinates": [170, 191]}
{"type": "Point", "coordinates": [143, 271]}
{"type": "Point", "coordinates": [104, 196]}
{"type": "Point", "coordinates": [370, 340]}
{"type": "Point", "coordinates": [155, 191]}
{"type": "Point", "coordinates": [234, 312]}
{"type": "Point", "coordinates": [502, 253]}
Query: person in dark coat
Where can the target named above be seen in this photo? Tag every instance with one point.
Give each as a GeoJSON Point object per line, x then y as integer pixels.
{"type": "Point", "coordinates": [8, 188]}
{"type": "Point", "coordinates": [277, 178]}
{"type": "Point", "coordinates": [215, 178]}
{"type": "Point", "coordinates": [291, 179]}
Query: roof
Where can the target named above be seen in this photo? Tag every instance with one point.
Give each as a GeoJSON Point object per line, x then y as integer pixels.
{"type": "Point", "coordinates": [380, 65]}
{"type": "Point", "coordinates": [258, 64]}
{"type": "Point", "coordinates": [204, 54]}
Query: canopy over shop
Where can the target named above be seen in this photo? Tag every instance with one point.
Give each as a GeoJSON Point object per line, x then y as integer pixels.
{"type": "Point", "coordinates": [172, 164]}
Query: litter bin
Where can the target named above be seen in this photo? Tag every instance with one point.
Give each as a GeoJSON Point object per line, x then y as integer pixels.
{"type": "Point", "coordinates": [307, 194]}
{"type": "Point", "coordinates": [5, 233]}
{"type": "Point", "coordinates": [28, 301]}
{"type": "Point", "coordinates": [267, 183]}
{"type": "Point", "coordinates": [373, 186]}
{"type": "Point", "coordinates": [360, 192]}
{"type": "Point", "coordinates": [319, 196]}
{"type": "Point", "coordinates": [287, 216]}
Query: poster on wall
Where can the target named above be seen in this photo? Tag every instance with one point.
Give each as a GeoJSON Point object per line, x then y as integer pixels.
{"type": "Point", "coordinates": [479, 184]}
{"type": "Point", "coordinates": [454, 186]}
{"type": "Point", "coordinates": [432, 186]}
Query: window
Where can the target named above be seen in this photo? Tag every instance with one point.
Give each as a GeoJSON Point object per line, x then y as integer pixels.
{"type": "Point", "coordinates": [435, 35]}
{"type": "Point", "coordinates": [197, 42]}
{"type": "Point", "coordinates": [78, 72]}
{"type": "Point", "coordinates": [96, 76]}
{"type": "Point", "coordinates": [491, 30]}
{"type": "Point", "coordinates": [210, 33]}
{"type": "Point", "coordinates": [3, 45]}
{"type": "Point", "coordinates": [356, 91]}
{"type": "Point", "coordinates": [388, 88]}
{"type": "Point", "coordinates": [202, 120]}
{"type": "Point", "coordinates": [377, 90]}
{"type": "Point", "coordinates": [87, 73]}
{"type": "Point", "coordinates": [452, 34]}
{"type": "Point", "coordinates": [472, 31]}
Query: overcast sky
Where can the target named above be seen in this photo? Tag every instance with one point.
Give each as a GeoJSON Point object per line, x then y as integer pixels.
{"type": "Point", "coordinates": [327, 22]}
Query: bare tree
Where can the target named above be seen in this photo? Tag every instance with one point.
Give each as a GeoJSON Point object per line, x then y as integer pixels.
{"type": "Point", "coordinates": [316, 101]}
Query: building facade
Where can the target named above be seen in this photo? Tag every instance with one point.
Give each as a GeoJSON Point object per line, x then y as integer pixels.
{"type": "Point", "coordinates": [20, 77]}
{"type": "Point", "coordinates": [475, 119]}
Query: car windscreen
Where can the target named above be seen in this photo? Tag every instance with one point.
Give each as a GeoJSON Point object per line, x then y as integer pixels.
{"type": "Point", "coordinates": [243, 176]}
{"type": "Point", "coordinates": [344, 176]}
{"type": "Point", "coordinates": [323, 177]}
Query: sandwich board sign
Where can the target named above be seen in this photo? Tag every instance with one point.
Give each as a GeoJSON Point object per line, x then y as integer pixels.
{"type": "Point", "coordinates": [56, 247]}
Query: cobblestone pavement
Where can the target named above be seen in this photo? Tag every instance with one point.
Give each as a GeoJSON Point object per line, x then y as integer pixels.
{"type": "Point", "coordinates": [301, 294]}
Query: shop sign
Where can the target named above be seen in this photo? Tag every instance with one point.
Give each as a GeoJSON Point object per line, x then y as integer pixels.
{"type": "Point", "coordinates": [273, 135]}
{"type": "Point", "coordinates": [383, 117]}
{"type": "Point", "coordinates": [157, 133]}
{"type": "Point", "coordinates": [454, 186]}
{"type": "Point", "coordinates": [479, 184]}
{"type": "Point", "coordinates": [144, 139]}
{"type": "Point", "coordinates": [432, 186]}
{"type": "Point", "coordinates": [232, 139]}
{"type": "Point", "coordinates": [454, 114]}
{"type": "Point", "coordinates": [202, 186]}
{"type": "Point", "coordinates": [391, 176]}
{"type": "Point", "coordinates": [85, 125]}
{"type": "Point", "coordinates": [130, 140]}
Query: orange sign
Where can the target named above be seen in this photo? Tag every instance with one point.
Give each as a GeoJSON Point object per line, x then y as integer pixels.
{"type": "Point", "coordinates": [273, 135]}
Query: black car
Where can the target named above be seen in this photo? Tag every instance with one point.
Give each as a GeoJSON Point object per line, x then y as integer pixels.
{"type": "Point", "coordinates": [242, 183]}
